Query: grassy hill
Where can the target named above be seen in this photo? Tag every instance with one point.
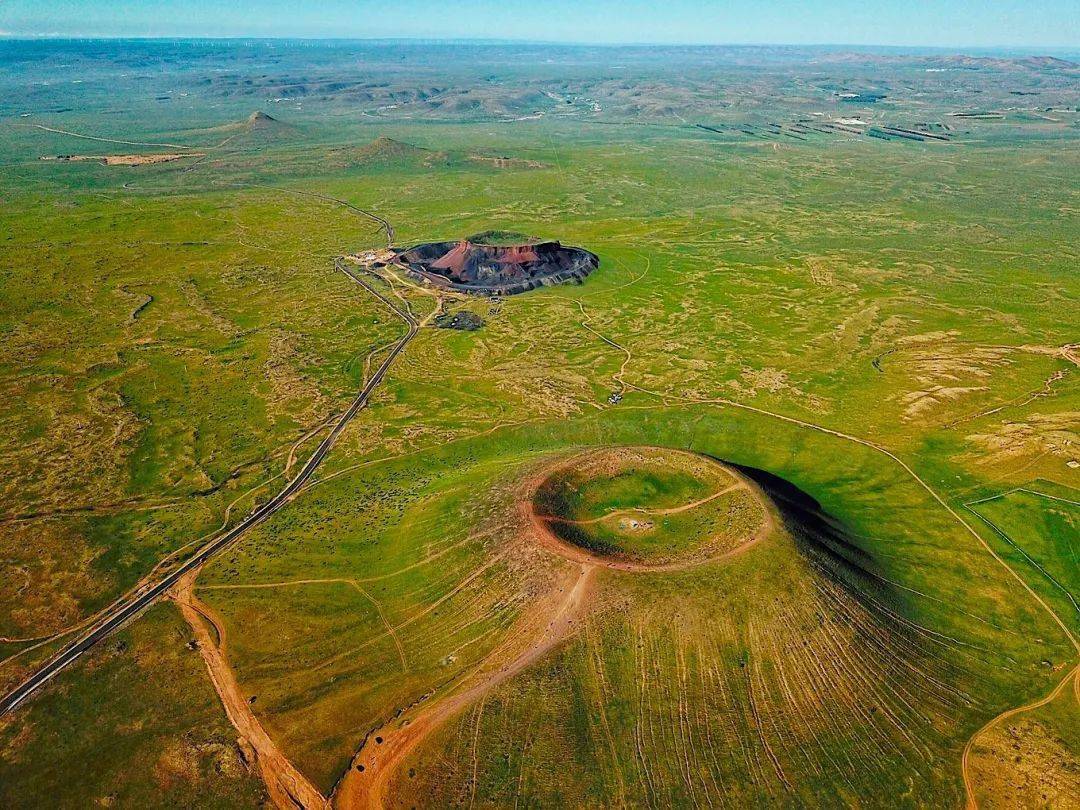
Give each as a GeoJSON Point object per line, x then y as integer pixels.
{"type": "Point", "coordinates": [876, 331]}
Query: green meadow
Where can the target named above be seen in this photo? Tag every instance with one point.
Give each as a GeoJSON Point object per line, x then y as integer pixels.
{"type": "Point", "coordinates": [885, 327]}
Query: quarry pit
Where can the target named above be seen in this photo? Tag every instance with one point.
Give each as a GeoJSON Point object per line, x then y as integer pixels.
{"type": "Point", "coordinates": [497, 263]}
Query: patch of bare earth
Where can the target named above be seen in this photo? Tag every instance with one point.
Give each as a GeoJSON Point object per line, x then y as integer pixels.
{"type": "Point", "coordinates": [1028, 760]}
{"type": "Point", "coordinates": [945, 370]}
{"type": "Point", "coordinates": [1041, 433]}
{"type": "Point", "coordinates": [127, 160]}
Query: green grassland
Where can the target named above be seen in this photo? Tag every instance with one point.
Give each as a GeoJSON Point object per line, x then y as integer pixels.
{"type": "Point", "coordinates": [635, 480]}
{"type": "Point", "coordinates": [720, 525]}
{"type": "Point", "coordinates": [150, 394]}
{"type": "Point", "coordinates": [913, 574]}
{"type": "Point", "coordinates": [144, 706]}
{"type": "Point", "coordinates": [1039, 533]}
{"type": "Point", "coordinates": [881, 324]}
{"type": "Point", "coordinates": [645, 505]}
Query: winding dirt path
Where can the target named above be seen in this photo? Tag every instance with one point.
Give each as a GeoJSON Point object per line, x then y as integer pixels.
{"type": "Point", "coordinates": [1073, 677]}
{"type": "Point", "coordinates": [546, 625]}
{"type": "Point", "coordinates": [641, 510]}
{"type": "Point", "coordinates": [627, 356]}
{"type": "Point", "coordinates": [287, 786]}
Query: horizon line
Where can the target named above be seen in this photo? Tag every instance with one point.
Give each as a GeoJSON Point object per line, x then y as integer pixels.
{"type": "Point", "coordinates": [7, 36]}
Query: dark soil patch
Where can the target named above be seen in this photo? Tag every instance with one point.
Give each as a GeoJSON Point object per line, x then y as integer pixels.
{"type": "Point", "coordinates": [462, 320]}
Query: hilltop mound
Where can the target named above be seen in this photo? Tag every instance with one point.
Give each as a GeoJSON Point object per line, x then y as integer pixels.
{"type": "Point", "coordinates": [389, 153]}
{"type": "Point", "coordinates": [262, 127]}
{"type": "Point", "coordinates": [384, 148]}
{"type": "Point", "coordinates": [497, 262]}
{"type": "Point", "coordinates": [260, 120]}
{"type": "Point", "coordinates": [256, 129]}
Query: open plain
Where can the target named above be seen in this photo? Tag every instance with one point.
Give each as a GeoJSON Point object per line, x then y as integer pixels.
{"type": "Point", "coordinates": [776, 504]}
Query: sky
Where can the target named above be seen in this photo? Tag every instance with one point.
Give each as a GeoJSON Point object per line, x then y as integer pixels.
{"type": "Point", "coordinates": [1021, 24]}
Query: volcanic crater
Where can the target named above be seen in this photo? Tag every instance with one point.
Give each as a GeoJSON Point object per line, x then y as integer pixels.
{"type": "Point", "coordinates": [497, 263]}
{"type": "Point", "coordinates": [645, 508]}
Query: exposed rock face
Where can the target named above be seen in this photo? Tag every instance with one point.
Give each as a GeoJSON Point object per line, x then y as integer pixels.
{"type": "Point", "coordinates": [473, 266]}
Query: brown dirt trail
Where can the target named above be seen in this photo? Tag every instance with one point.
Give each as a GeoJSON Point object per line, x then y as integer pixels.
{"type": "Point", "coordinates": [288, 787]}
{"type": "Point", "coordinates": [640, 510]}
{"type": "Point", "coordinates": [546, 625]}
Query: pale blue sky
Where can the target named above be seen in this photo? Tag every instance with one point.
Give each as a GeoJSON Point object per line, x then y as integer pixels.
{"type": "Point", "coordinates": [1028, 24]}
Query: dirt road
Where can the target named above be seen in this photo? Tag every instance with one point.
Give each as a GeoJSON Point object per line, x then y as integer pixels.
{"type": "Point", "coordinates": [288, 787]}
{"type": "Point", "coordinates": [544, 627]}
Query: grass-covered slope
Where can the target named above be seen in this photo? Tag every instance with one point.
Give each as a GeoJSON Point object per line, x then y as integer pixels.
{"type": "Point", "coordinates": [865, 646]}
